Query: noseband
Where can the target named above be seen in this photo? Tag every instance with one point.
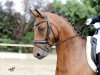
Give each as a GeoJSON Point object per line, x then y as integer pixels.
{"type": "Point", "coordinates": [47, 41]}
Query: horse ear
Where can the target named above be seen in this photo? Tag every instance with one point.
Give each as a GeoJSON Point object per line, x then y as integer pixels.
{"type": "Point", "coordinates": [34, 13]}
{"type": "Point", "coordinates": [41, 14]}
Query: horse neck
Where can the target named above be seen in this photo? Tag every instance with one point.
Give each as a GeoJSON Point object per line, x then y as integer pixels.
{"type": "Point", "coordinates": [71, 48]}
{"type": "Point", "coordinates": [72, 45]}
{"type": "Point", "coordinates": [70, 54]}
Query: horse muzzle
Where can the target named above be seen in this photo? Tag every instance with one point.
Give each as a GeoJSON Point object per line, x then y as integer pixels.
{"type": "Point", "coordinates": [40, 53]}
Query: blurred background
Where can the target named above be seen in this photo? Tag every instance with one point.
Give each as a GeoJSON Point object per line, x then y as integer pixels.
{"type": "Point", "coordinates": [16, 27]}
{"type": "Point", "coordinates": [16, 21]}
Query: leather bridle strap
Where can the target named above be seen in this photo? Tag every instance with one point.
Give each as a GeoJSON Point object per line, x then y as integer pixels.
{"type": "Point", "coordinates": [45, 20]}
{"type": "Point", "coordinates": [66, 39]}
{"type": "Point", "coordinates": [41, 47]}
{"type": "Point", "coordinates": [39, 42]}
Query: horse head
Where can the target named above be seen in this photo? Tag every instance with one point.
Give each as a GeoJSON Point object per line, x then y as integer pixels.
{"type": "Point", "coordinates": [45, 34]}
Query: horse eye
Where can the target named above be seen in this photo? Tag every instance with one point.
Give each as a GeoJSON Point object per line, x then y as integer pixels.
{"type": "Point", "coordinates": [42, 29]}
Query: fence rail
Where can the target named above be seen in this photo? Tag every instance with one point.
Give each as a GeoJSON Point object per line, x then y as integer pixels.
{"type": "Point", "coordinates": [18, 45]}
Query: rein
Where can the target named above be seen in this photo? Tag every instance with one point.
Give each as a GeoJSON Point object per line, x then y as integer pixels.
{"type": "Point", "coordinates": [66, 39]}
{"type": "Point", "coordinates": [47, 41]}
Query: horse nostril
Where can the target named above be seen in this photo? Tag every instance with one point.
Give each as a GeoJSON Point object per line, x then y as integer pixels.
{"type": "Point", "coordinates": [38, 54]}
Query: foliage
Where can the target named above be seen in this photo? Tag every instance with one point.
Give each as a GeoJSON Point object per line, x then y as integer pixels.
{"type": "Point", "coordinates": [94, 4]}
{"type": "Point", "coordinates": [6, 21]}
{"type": "Point", "coordinates": [13, 28]}
{"type": "Point", "coordinates": [78, 12]}
{"type": "Point", "coordinates": [75, 10]}
{"type": "Point", "coordinates": [17, 28]}
{"type": "Point", "coordinates": [28, 38]}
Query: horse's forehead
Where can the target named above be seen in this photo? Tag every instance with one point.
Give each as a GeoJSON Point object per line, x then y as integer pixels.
{"type": "Point", "coordinates": [40, 22]}
{"type": "Point", "coordinates": [38, 19]}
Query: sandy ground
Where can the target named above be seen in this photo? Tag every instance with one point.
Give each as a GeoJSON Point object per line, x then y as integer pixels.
{"type": "Point", "coordinates": [28, 66]}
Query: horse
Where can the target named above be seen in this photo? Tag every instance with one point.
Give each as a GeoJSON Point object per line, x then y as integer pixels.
{"type": "Point", "coordinates": [51, 28]}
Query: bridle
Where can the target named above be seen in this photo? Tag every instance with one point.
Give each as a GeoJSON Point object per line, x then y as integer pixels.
{"type": "Point", "coordinates": [47, 41]}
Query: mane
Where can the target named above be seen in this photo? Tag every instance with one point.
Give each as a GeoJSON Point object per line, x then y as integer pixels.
{"type": "Point", "coordinates": [77, 28]}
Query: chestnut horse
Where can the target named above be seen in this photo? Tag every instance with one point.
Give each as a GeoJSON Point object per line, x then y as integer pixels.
{"type": "Point", "coordinates": [50, 28]}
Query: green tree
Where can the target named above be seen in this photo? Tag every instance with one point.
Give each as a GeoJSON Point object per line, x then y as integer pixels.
{"type": "Point", "coordinates": [6, 21]}
{"type": "Point", "coordinates": [78, 12]}
{"type": "Point", "coordinates": [75, 10]}
{"type": "Point", "coordinates": [94, 4]}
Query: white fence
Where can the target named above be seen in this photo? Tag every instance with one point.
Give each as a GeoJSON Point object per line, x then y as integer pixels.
{"type": "Point", "coordinates": [4, 55]}
{"type": "Point", "coordinates": [16, 45]}
{"type": "Point", "coordinates": [19, 45]}
{"type": "Point", "coordinates": [11, 55]}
